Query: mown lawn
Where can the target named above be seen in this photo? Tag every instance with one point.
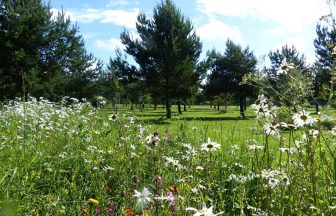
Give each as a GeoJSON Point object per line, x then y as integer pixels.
{"type": "Point", "coordinates": [208, 122]}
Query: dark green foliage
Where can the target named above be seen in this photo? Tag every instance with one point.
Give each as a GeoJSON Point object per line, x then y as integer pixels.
{"type": "Point", "coordinates": [324, 45]}
{"type": "Point", "coordinates": [21, 36]}
{"type": "Point", "coordinates": [291, 55]}
{"type": "Point", "coordinates": [127, 77]}
{"type": "Point", "coordinates": [167, 52]}
{"type": "Point", "coordinates": [284, 87]}
{"type": "Point", "coordinates": [41, 55]}
{"type": "Point", "coordinates": [228, 70]}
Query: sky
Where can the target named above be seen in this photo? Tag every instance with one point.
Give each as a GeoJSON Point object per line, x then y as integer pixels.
{"type": "Point", "coordinates": [262, 25]}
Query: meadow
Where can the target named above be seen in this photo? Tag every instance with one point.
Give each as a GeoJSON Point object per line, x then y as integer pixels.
{"type": "Point", "coordinates": [71, 158]}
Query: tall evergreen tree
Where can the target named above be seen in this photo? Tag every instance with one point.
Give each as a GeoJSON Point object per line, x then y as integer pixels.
{"type": "Point", "coordinates": [167, 51]}
{"type": "Point", "coordinates": [44, 55]}
{"type": "Point", "coordinates": [128, 78]}
{"type": "Point", "coordinates": [325, 45]}
{"type": "Point", "coordinates": [289, 54]}
{"type": "Point", "coordinates": [228, 70]}
{"type": "Point", "coordinates": [23, 24]}
{"type": "Point", "coordinates": [240, 62]}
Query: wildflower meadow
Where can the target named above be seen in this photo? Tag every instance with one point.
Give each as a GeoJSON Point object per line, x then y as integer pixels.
{"type": "Point", "coordinates": [71, 158]}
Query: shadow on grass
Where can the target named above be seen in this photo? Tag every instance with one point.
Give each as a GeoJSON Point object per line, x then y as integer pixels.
{"type": "Point", "coordinates": [216, 118]}
{"type": "Point", "coordinates": [156, 122]}
{"type": "Point", "coordinates": [205, 119]}
{"type": "Point", "coordinates": [150, 115]}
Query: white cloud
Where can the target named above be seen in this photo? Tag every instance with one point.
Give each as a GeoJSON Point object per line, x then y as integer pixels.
{"type": "Point", "coordinates": [279, 30]}
{"type": "Point", "coordinates": [216, 30]}
{"type": "Point", "coordinates": [110, 45]}
{"type": "Point", "coordinates": [302, 45]}
{"type": "Point", "coordinates": [292, 15]}
{"type": "Point", "coordinates": [298, 42]}
{"type": "Point", "coordinates": [85, 15]}
{"type": "Point", "coordinates": [114, 3]}
{"type": "Point", "coordinates": [125, 18]}
{"type": "Point", "coordinates": [120, 17]}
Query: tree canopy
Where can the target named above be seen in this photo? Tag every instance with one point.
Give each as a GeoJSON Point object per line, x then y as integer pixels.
{"type": "Point", "coordinates": [42, 55]}
{"type": "Point", "coordinates": [167, 51]}
{"type": "Point", "coordinates": [228, 70]}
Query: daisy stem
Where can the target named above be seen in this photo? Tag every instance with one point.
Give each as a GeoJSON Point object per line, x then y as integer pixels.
{"type": "Point", "coordinates": [268, 153]}
{"type": "Point", "coordinates": [289, 148]}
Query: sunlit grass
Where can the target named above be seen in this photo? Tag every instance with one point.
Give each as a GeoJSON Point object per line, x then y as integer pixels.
{"type": "Point", "coordinates": [80, 160]}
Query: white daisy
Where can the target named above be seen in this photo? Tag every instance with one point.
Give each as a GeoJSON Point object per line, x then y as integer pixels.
{"type": "Point", "coordinates": [210, 146]}
{"type": "Point", "coordinates": [255, 147]}
{"type": "Point", "coordinates": [302, 118]}
{"type": "Point", "coordinates": [284, 67]}
{"type": "Point", "coordinates": [268, 173]}
{"type": "Point", "coordinates": [143, 197]}
{"type": "Point", "coordinates": [273, 182]}
{"type": "Point", "coordinates": [113, 117]}
{"type": "Point", "coordinates": [272, 129]}
{"type": "Point", "coordinates": [204, 211]}
{"type": "Point", "coordinates": [333, 131]}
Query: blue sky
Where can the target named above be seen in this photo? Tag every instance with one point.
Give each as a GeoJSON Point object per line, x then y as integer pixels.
{"type": "Point", "coordinates": [263, 25]}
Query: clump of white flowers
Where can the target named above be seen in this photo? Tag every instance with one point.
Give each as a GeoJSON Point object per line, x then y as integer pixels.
{"type": "Point", "coordinates": [263, 109]}
{"type": "Point", "coordinates": [143, 197]}
{"type": "Point", "coordinates": [204, 211]}
{"type": "Point", "coordinates": [302, 119]}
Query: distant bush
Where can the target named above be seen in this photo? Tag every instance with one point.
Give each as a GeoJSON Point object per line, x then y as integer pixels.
{"type": "Point", "coordinates": [284, 114]}
{"type": "Point", "coordinates": [224, 110]}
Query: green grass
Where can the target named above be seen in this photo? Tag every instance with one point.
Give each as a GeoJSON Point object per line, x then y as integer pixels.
{"type": "Point", "coordinates": [206, 121]}
{"type": "Point", "coordinates": [78, 160]}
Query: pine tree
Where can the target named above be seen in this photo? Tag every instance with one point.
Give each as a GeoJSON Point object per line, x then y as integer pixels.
{"type": "Point", "coordinates": [41, 55]}
{"type": "Point", "coordinates": [228, 70]}
{"type": "Point", "coordinates": [21, 36]}
{"type": "Point", "coordinates": [168, 50]}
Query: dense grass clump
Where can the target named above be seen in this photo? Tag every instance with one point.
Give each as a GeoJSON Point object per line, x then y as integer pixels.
{"type": "Point", "coordinates": [74, 159]}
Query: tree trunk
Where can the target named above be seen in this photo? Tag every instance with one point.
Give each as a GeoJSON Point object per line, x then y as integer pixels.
{"type": "Point", "coordinates": [168, 107]}
{"type": "Point", "coordinates": [163, 102]}
{"type": "Point", "coordinates": [241, 104]}
{"type": "Point", "coordinates": [179, 106]}
{"type": "Point", "coordinates": [317, 108]}
{"type": "Point", "coordinates": [155, 103]}
{"type": "Point", "coordinates": [217, 106]}
{"type": "Point", "coordinates": [185, 104]}
{"type": "Point", "coordinates": [113, 105]}
{"type": "Point", "coordinates": [244, 103]}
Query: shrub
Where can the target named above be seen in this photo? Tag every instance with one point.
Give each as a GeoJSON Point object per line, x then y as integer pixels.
{"type": "Point", "coordinates": [284, 114]}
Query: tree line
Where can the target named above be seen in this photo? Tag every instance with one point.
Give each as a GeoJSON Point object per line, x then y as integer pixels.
{"type": "Point", "coordinates": [44, 55]}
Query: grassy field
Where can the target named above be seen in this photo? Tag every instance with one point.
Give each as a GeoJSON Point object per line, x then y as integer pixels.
{"type": "Point", "coordinates": [202, 120]}
{"type": "Point", "coordinates": [75, 159]}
